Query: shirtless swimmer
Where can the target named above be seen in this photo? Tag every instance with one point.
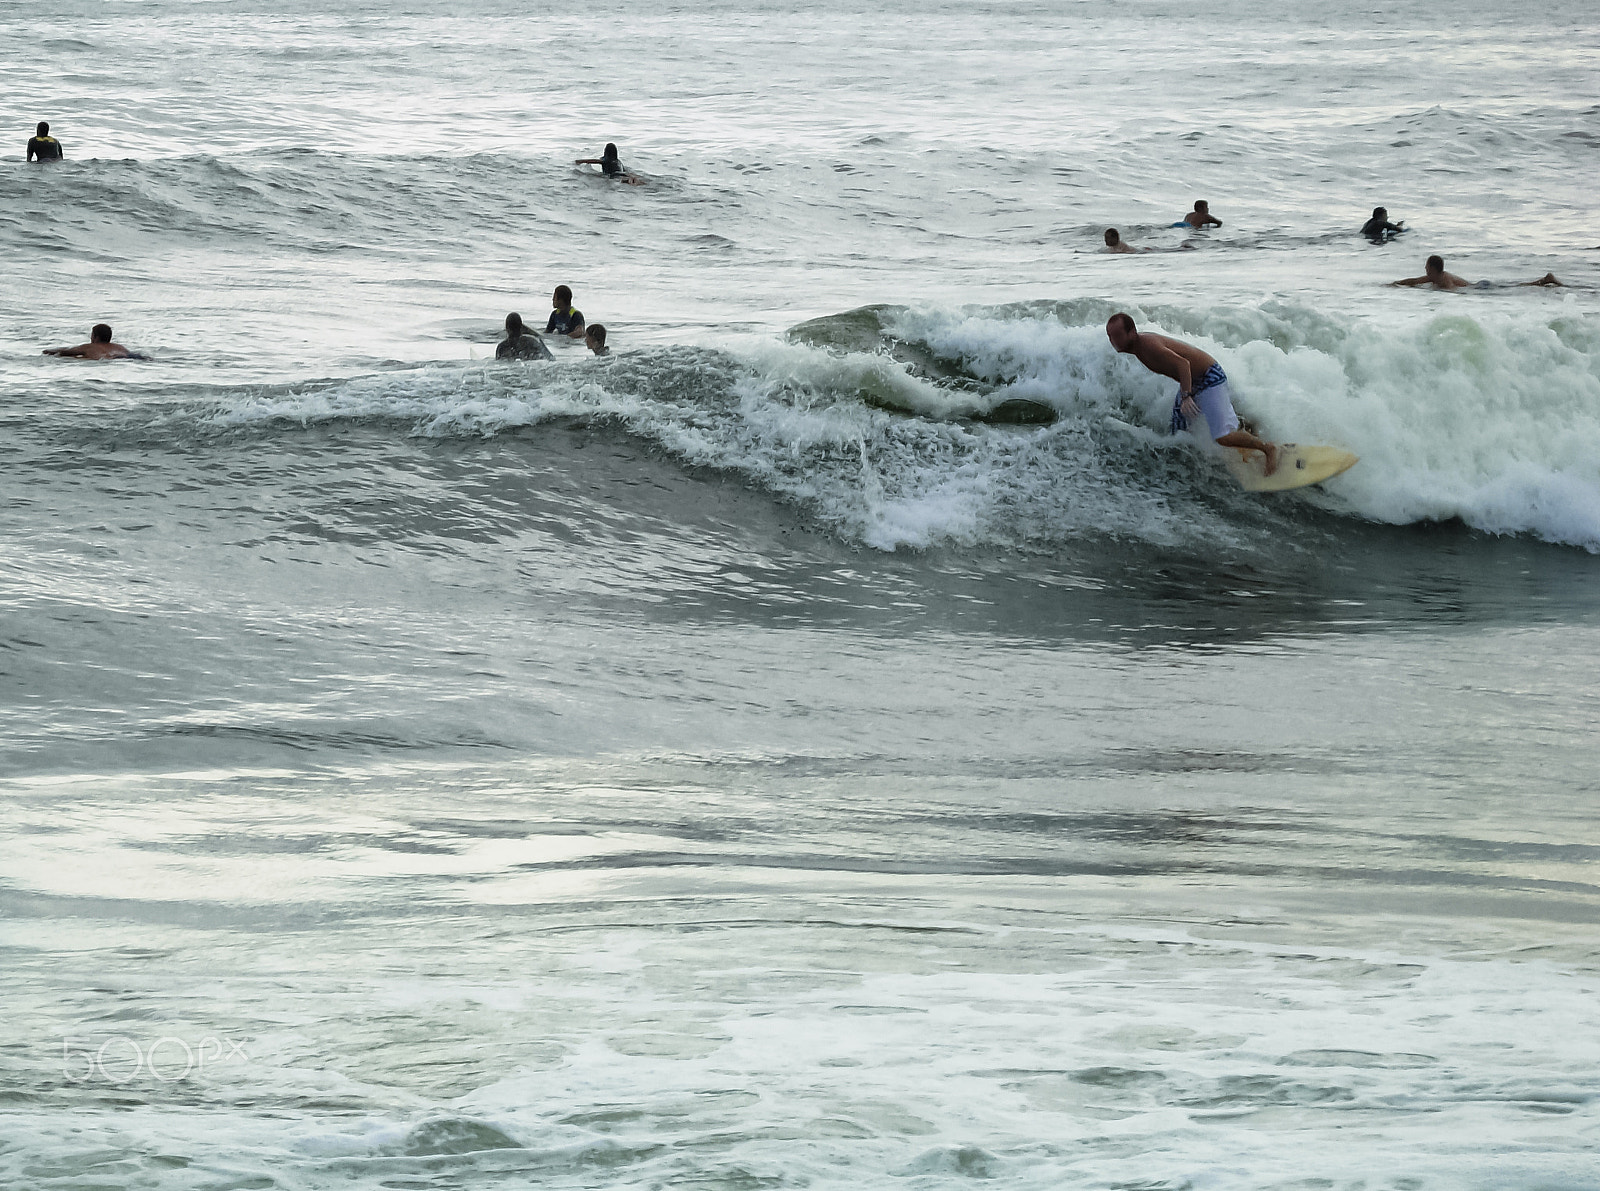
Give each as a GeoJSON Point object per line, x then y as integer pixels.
{"type": "Point", "coordinates": [1434, 274]}
{"type": "Point", "coordinates": [1202, 385]}
{"type": "Point", "coordinates": [99, 347]}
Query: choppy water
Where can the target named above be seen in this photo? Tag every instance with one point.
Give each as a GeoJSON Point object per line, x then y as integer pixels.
{"type": "Point", "coordinates": [745, 761]}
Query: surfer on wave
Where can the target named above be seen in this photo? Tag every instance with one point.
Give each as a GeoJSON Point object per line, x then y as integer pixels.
{"type": "Point", "coordinates": [1202, 385]}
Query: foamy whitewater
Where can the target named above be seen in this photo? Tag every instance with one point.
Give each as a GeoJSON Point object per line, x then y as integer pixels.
{"type": "Point", "coordinates": [840, 739]}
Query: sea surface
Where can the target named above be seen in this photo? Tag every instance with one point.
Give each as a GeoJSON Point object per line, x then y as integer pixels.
{"type": "Point", "coordinates": [840, 739]}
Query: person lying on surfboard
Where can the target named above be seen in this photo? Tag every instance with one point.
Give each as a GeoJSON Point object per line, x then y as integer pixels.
{"type": "Point", "coordinates": [99, 347]}
{"type": "Point", "coordinates": [611, 166]}
{"type": "Point", "coordinates": [1202, 385]}
{"type": "Point", "coordinates": [1434, 274]}
{"type": "Point", "coordinates": [1115, 242]}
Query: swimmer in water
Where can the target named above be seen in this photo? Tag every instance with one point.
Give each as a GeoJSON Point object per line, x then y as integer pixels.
{"type": "Point", "coordinates": [595, 339]}
{"type": "Point", "coordinates": [1434, 274]}
{"type": "Point", "coordinates": [1115, 242]}
{"type": "Point", "coordinates": [521, 343]}
{"type": "Point", "coordinates": [43, 146]}
{"type": "Point", "coordinates": [565, 319]}
{"type": "Point", "coordinates": [1202, 385]}
{"type": "Point", "coordinates": [1201, 216]}
{"type": "Point", "coordinates": [610, 165]}
{"type": "Point", "coordinates": [1378, 228]}
{"type": "Point", "coordinates": [99, 347]}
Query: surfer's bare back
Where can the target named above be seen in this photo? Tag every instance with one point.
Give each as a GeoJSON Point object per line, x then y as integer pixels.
{"type": "Point", "coordinates": [1202, 385]}
{"type": "Point", "coordinates": [99, 347]}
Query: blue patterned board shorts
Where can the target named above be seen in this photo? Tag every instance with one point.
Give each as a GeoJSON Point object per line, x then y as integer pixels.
{"type": "Point", "coordinates": [1212, 395]}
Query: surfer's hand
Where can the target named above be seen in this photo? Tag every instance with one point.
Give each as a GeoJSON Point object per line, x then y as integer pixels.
{"type": "Point", "coordinates": [1190, 409]}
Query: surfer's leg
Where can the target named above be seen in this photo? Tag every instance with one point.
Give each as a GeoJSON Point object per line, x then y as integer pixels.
{"type": "Point", "coordinates": [1243, 438]}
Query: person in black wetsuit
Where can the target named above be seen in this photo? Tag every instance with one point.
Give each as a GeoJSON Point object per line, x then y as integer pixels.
{"type": "Point", "coordinates": [565, 319]}
{"type": "Point", "coordinates": [521, 343]}
{"type": "Point", "coordinates": [43, 146]}
{"type": "Point", "coordinates": [610, 165]}
{"type": "Point", "coordinates": [1378, 228]}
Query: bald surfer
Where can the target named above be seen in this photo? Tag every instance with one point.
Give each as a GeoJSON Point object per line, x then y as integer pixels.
{"type": "Point", "coordinates": [1202, 385]}
{"type": "Point", "coordinates": [99, 347]}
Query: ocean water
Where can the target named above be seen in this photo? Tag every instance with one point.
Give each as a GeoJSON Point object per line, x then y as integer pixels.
{"type": "Point", "coordinates": [759, 759]}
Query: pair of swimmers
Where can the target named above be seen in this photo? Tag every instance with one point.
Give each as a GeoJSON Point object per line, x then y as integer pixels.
{"type": "Point", "coordinates": [1379, 230]}
{"type": "Point", "coordinates": [1200, 217]}
{"type": "Point", "coordinates": [1378, 227]}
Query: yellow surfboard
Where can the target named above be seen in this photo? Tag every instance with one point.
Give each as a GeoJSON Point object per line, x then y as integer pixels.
{"type": "Point", "coordinates": [1297, 466]}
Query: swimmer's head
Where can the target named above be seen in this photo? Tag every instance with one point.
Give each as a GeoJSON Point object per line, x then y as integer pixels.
{"type": "Point", "coordinates": [611, 150]}
{"type": "Point", "coordinates": [44, 128]}
{"type": "Point", "coordinates": [1121, 331]}
{"type": "Point", "coordinates": [1380, 212]}
{"type": "Point", "coordinates": [562, 298]}
{"type": "Point", "coordinates": [595, 337]}
{"type": "Point", "coordinates": [1201, 206]}
{"type": "Point", "coordinates": [100, 332]}
{"type": "Point", "coordinates": [1435, 265]}
{"type": "Point", "coordinates": [513, 324]}
{"type": "Point", "coordinates": [1112, 237]}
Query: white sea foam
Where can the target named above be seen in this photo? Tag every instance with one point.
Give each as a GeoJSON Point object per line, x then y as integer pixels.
{"type": "Point", "coordinates": [1492, 417]}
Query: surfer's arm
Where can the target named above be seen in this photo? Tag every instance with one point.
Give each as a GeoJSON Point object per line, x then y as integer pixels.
{"type": "Point", "coordinates": [1410, 281]}
{"type": "Point", "coordinates": [64, 351]}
